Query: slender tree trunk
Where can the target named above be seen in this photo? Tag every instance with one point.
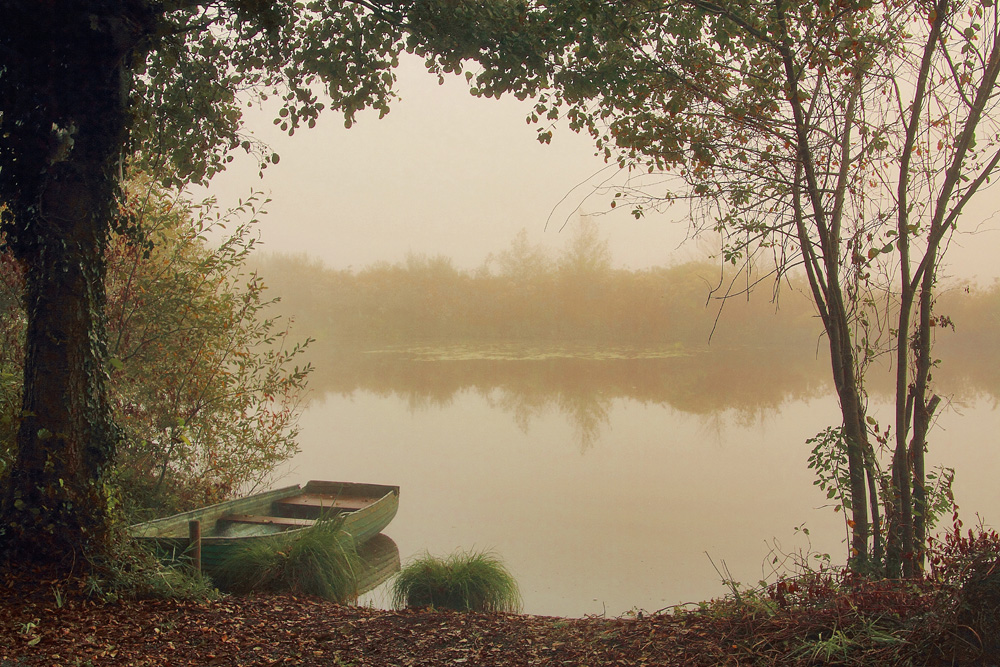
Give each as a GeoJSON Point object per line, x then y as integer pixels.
{"type": "Point", "coordinates": [855, 431]}
{"type": "Point", "coordinates": [899, 503]}
{"type": "Point", "coordinates": [857, 438]}
{"type": "Point", "coordinates": [874, 506]}
{"type": "Point", "coordinates": [898, 549]}
{"type": "Point", "coordinates": [923, 412]}
{"type": "Point", "coordinates": [66, 70]}
{"type": "Point", "coordinates": [828, 297]}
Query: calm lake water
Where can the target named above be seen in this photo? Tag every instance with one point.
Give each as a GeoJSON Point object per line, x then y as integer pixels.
{"type": "Point", "coordinates": [608, 485]}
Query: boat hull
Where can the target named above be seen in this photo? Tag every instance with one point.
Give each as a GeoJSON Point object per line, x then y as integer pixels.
{"type": "Point", "coordinates": [366, 509]}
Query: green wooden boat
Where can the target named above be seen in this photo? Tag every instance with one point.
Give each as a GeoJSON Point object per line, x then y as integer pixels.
{"type": "Point", "coordinates": [366, 508]}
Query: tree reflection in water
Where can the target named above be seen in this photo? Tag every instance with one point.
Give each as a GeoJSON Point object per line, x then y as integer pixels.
{"type": "Point", "coordinates": [582, 383]}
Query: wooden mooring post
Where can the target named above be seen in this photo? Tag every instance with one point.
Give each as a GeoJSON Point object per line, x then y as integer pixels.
{"type": "Point", "coordinates": [194, 535]}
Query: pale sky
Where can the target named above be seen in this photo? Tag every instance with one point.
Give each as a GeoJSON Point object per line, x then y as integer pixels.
{"type": "Point", "coordinates": [448, 174]}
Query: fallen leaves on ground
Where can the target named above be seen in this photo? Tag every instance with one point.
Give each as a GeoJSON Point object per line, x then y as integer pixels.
{"type": "Point", "coordinates": [39, 626]}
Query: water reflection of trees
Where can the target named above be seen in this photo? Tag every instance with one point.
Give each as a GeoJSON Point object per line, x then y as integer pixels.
{"type": "Point", "coordinates": [747, 382]}
{"type": "Point", "coordinates": [702, 382]}
{"type": "Point", "coordinates": [589, 413]}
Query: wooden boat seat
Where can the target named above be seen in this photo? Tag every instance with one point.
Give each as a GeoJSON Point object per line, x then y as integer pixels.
{"type": "Point", "coordinates": [267, 520]}
{"type": "Point", "coordinates": [315, 504]}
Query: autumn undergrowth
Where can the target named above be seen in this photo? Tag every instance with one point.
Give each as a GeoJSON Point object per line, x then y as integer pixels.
{"type": "Point", "coordinates": [128, 570]}
{"type": "Point", "coordinates": [464, 581]}
{"type": "Point", "coordinates": [320, 560]}
{"type": "Point", "coordinates": [827, 615]}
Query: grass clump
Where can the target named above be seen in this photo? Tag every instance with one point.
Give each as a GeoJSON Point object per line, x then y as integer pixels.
{"type": "Point", "coordinates": [468, 581]}
{"type": "Point", "coordinates": [320, 560]}
{"type": "Point", "coordinates": [178, 583]}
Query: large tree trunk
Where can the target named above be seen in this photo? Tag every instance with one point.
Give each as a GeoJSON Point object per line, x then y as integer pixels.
{"type": "Point", "coordinates": [65, 126]}
{"type": "Point", "coordinates": [54, 504]}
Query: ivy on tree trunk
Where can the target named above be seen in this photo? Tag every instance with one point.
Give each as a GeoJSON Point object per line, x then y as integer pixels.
{"type": "Point", "coordinates": [65, 113]}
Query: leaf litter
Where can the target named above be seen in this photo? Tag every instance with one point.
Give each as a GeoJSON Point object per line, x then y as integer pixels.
{"type": "Point", "coordinates": [38, 627]}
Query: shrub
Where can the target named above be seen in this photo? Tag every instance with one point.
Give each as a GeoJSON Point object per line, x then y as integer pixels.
{"type": "Point", "coordinates": [967, 567]}
{"type": "Point", "coordinates": [204, 380]}
{"type": "Point", "coordinates": [464, 582]}
{"type": "Point", "coordinates": [320, 560]}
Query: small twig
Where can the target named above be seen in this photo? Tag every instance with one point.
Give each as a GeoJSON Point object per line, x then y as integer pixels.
{"type": "Point", "coordinates": [727, 579]}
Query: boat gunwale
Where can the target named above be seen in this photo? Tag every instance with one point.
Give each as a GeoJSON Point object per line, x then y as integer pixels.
{"type": "Point", "coordinates": [177, 524]}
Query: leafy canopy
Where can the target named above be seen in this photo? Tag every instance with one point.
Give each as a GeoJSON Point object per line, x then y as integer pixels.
{"type": "Point", "coordinates": [210, 61]}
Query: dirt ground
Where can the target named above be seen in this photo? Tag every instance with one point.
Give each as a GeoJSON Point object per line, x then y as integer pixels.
{"type": "Point", "coordinates": [40, 625]}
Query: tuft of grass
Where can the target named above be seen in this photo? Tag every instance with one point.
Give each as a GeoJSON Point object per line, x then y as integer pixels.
{"type": "Point", "coordinates": [465, 581]}
{"type": "Point", "coordinates": [321, 560]}
{"type": "Point", "coordinates": [178, 583]}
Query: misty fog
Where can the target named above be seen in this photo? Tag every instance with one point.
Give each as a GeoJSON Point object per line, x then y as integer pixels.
{"type": "Point", "coordinates": [544, 390]}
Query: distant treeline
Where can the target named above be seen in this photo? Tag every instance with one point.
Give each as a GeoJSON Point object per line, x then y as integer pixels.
{"type": "Point", "coordinates": [523, 294]}
{"type": "Point", "coordinates": [569, 315]}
